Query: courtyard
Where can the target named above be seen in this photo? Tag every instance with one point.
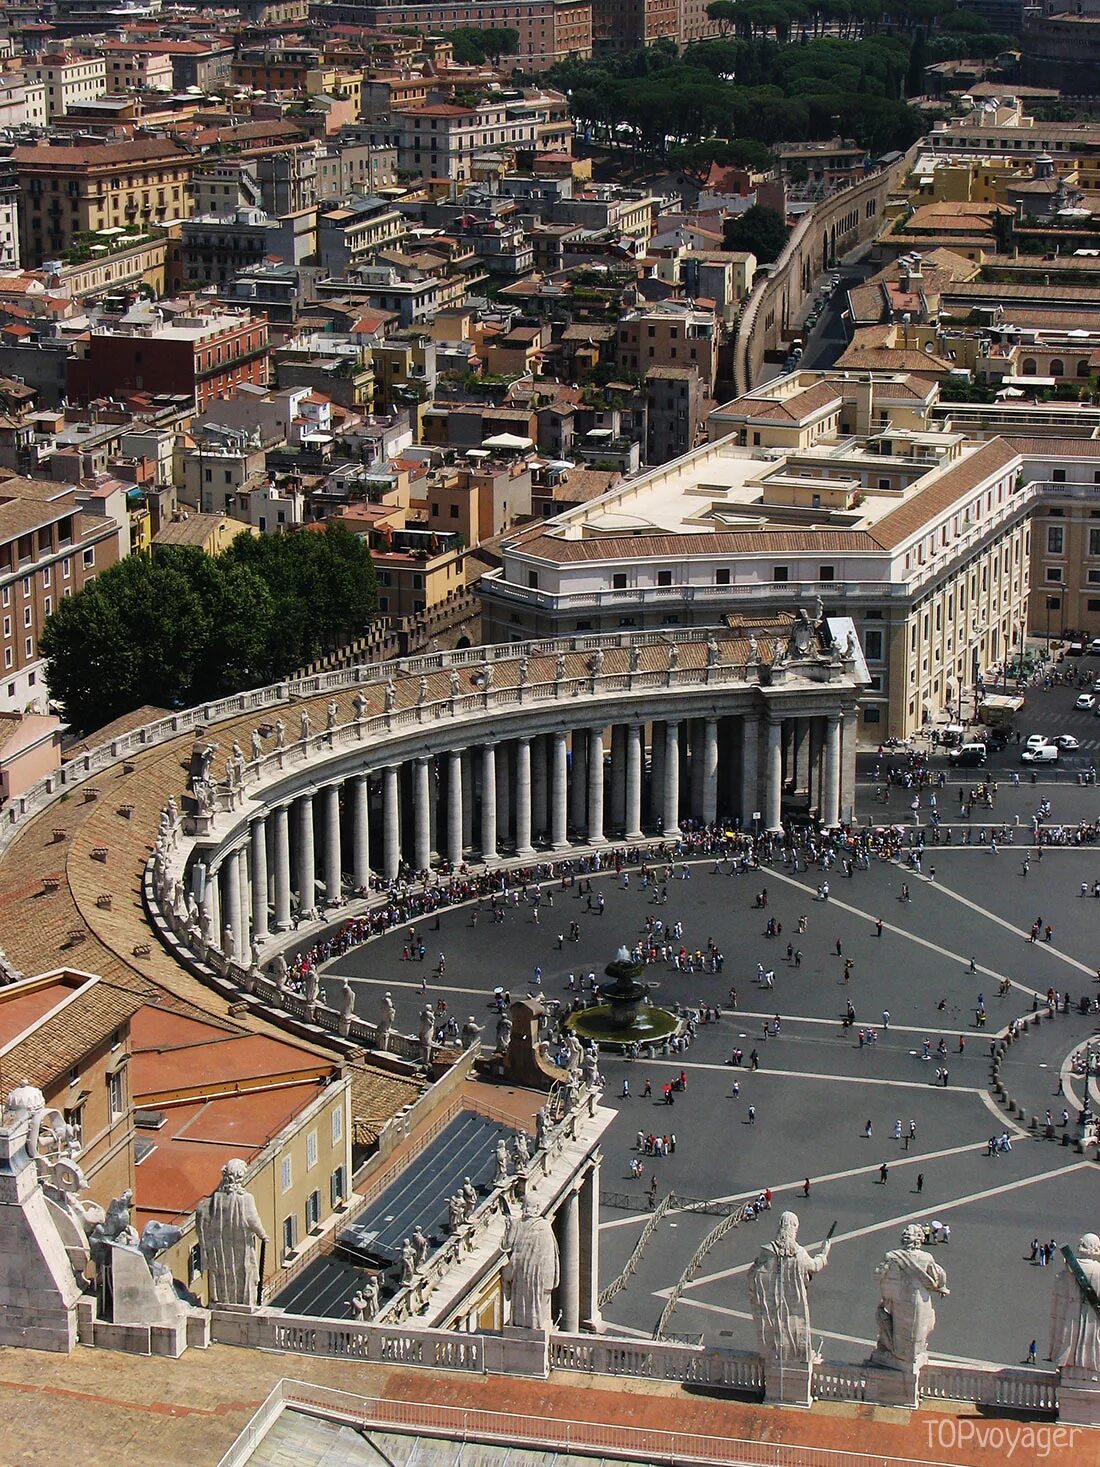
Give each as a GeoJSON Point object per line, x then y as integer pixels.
{"type": "Point", "coordinates": [817, 1086]}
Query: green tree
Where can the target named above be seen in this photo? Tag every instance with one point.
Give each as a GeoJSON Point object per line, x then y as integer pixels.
{"type": "Point", "coordinates": [181, 627]}
{"type": "Point", "coordinates": [762, 232]}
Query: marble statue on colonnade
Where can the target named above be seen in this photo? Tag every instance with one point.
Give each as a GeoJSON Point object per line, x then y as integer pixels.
{"type": "Point", "coordinates": [531, 1273]}
{"type": "Point", "coordinates": [229, 1228]}
{"type": "Point", "coordinates": [1075, 1309]}
{"type": "Point", "coordinates": [779, 1295]}
{"type": "Point", "coordinates": [909, 1278]}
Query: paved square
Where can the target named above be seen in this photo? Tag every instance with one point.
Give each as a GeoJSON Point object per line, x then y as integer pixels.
{"type": "Point", "coordinates": [816, 1087]}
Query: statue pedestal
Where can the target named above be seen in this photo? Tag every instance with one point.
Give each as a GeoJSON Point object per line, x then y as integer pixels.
{"type": "Point", "coordinates": [1078, 1396]}
{"type": "Point", "coordinates": [892, 1385]}
{"type": "Point", "coordinates": [518, 1352]}
{"type": "Point", "coordinates": [788, 1383]}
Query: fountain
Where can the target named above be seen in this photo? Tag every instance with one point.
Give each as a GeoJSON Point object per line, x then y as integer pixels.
{"type": "Point", "coordinates": [624, 1014]}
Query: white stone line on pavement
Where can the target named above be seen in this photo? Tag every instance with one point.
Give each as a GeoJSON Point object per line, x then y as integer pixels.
{"type": "Point", "coordinates": [1067, 1077]}
{"type": "Point", "coordinates": [1005, 1122]}
{"type": "Point", "coordinates": [891, 1028]}
{"type": "Point", "coordinates": [931, 1209]}
{"type": "Point", "coordinates": [828, 1334]}
{"type": "Point", "coordinates": [905, 1158]}
{"type": "Point", "coordinates": [1043, 946]}
{"type": "Point", "coordinates": [740, 1070]}
{"type": "Point", "coordinates": [913, 936]}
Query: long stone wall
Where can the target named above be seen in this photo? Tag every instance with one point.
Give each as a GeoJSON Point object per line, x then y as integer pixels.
{"type": "Point", "coordinates": [830, 229]}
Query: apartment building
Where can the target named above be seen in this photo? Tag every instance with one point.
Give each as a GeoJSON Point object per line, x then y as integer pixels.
{"type": "Point", "coordinates": [354, 231]}
{"type": "Point", "coordinates": [66, 190]}
{"type": "Point", "coordinates": [54, 539]}
{"type": "Point", "coordinates": [22, 101]}
{"type": "Point", "coordinates": [922, 537]}
{"type": "Point", "coordinates": [348, 167]}
{"type": "Point", "coordinates": [673, 334]}
{"type": "Point", "coordinates": [548, 30]}
{"type": "Point", "coordinates": [447, 140]}
{"type": "Point", "coordinates": [70, 78]}
{"type": "Point", "coordinates": [627, 25]}
{"type": "Point", "coordinates": [68, 1033]}
{"type": "Point", "coordinates": [131, 67]}
{"type": "Point", "coordinates": [203, 354]}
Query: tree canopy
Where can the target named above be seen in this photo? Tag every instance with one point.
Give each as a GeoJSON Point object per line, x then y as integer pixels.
{"type": "Point", "coordinates": [474, 47]}
{"type": "Point", "coordinates": [751, 87]}
{"type": "Point", "coordinates": [763, 232]}
{"type": "Point", "coordinates": [180, 627]}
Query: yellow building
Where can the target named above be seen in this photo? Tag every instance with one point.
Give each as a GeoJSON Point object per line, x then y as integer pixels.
{"type": "Point", "coordinates": [66, 191]}
{"type": "Point", "coordinates": [210, 532]}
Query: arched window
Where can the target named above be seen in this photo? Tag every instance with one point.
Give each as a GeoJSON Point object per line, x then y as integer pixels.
{"type": "Point", "coordinates": [1083, 367]}
{"type": "Point", "coordinates": [1027, 367]}
{"type": "Point", "coordinates": [1057, 368]}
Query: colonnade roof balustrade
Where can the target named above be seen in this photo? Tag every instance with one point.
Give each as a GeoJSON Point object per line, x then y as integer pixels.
{"type": "Point", "coordinates": [74, 849]}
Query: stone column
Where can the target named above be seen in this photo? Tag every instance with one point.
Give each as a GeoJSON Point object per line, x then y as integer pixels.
{"type": "Point", "coordinates": [454, 807]}
{"type": "Point", "coordinates": [671, 811]}
{"type": "Point", "coordinates": [633, 792]}
{"type": "Point", "coordinates": [774, 775]}
{"type": "Point", "coordinates": [657, 774]}
{"type": "Point", "coordinates": [282, 868]}
{"type": "Point", "coordinates": [697, 736]}
{"type": "Point", "coordinates": [523, 798]}
{"type": "Point", "coordinates": [848, 763]}
{"type": "Point", "coordinates": [333, 851]}
{"type": "Point", "coordinates": [231, 875]}
{"type": "Point", "coordinates": [307, 865]}
{"type": "Point", "coordinates": [590, 1249]}
{"type": "Point", "coordinates": [558, 782]}
{"type": "Point", "coordinates": [245, 929]}
{"type": "Point", "coordinates": [504, 793]}
{"type": "Point", "coordinates": [422, 829]}
{"type": "Point", "coordinates": [595, 787]}
{"type": "Point", "coordinates": [618, 777]}
{"type": "Point", "coordinates": [801, 780]}
{"type": "Point", "coordinates": [360, 830]}
{"type": "Point", "coordinates": [212, 901]}
{"type": "Point", "coordinates": [710, 771]}
{"type": "Point", "coordinates": [391, 821]}
{"type": "Point", "coordinates": [258, 836]}
{"type": "Point", "coordinates": [750, 768]}
{"type": "Point", "coordinates": [488, 803]}
{"type": "Point", "coordinates": [578, 782]}
{"type": "Point", "coordinates": [830, 795]}
{"type": "Point", "coordinates": [540, 819]}
{"type": "Point", "coordinates": [467, 787]}
{"type": "Point", "coordinates": [569, 1259]}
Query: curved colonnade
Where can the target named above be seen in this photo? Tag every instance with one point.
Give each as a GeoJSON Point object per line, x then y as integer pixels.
{"type": "Point", "coordinates": [492, 754]}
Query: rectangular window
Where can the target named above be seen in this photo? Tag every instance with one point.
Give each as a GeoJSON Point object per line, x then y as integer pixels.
{"type": "Point", "coordinates": [722, 577]}
{"type": "Point", "coordinates": [336, 1188]}
{"type": "Point", "coordinates": [337, 1126]}
{"type": "Point", "coordinates": [872, 644]}
{"type": "Point", "coordinates": [311, 1150]}
{"type": "Point", "coordinates": [290, 1234]}
{"type": "Point", "coordinates": [313, 1211]}
{"type": "Point", "coordinates": [286, 1174]}
{"type": "Point", "coordinates": [826, 573]}
{"type": "Point", "coordinates": [618, 581]}
{"type": "Point", "coordinates": [116, 1093]}
{"type": "Point", "coordinates": [664, 578]}
{"type": "Point", "coordinates": [1054, 574]}
{"type": "Point", "coordinates": [1058, 476]}
{"type": "Point", "coordinates": [1055, 539]}
{"type": "Point", "coordinates": [1094, 542]}
{"type": "Point", "coordinates": [88, 558]}
{"type": "Point", "coordinates": [780, 573]}
{"type": "Point", "coordinates": [533, 580]}
{"type": "Point", "coordinates": [194, 1262]}
{"type": "Point", "coordinates": [872, 715]}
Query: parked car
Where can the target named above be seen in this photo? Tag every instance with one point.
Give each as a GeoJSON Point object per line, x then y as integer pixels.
{"type": "Point", "coordinates": [1094, 647]}
{"type": "Point", "coordinates": [1036, 741]}
{"type": "Point", "coordinates": [1067, 741]}
{"type": "Point", "coordinates": [968, 754]}
{"type": "Point", "coordinates": [1086, 701]}
{"type": "Point", "coordinates": [1044, 754]}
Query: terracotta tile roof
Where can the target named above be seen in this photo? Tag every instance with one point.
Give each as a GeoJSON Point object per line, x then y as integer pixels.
{"type": "Point", "coordinates": [147, 713]}
{"type": "Point", "coordinates": [60, 1042]}
{"type": "Point", "coordinates": [918, 508]}
{"type": "Point", "coordinates": [719, 542]}
{"type": "Point", "coordinates": [796, 407]}
{"type": "Point", "coordinates": [1054, 447]}
{"type": "Point", "coordinates": [377, 1095]}
{"type": "Point", "coordinates": [113, 155]}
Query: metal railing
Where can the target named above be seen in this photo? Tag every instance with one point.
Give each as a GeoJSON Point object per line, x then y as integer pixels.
{"type": "Point", "coordinates": [618, 1284]}
{"type": "Point", "coordinates": [716, 1234]}
{"type": "Point", "coordinates": [471, 1424]}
